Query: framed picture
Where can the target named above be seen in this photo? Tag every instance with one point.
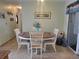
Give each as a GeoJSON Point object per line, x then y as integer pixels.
{"type": "Point", "coordinates": [2, 15]}
{"type": "Point", "coordinates": [11, 19]}
{"type": "Point", "coordinates": [42, 15]}
{"type": "Point", "coordinates": [9, 13]}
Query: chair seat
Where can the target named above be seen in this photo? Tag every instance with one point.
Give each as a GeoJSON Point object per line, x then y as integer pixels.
{"type": "Point", "coordinates": [36, 46]}
{"type": "Point", "coordinates": [49, 43]}
{"type": "Point", "coordinates": [23, 43]}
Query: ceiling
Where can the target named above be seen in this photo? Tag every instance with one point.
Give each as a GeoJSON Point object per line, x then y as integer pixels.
{"type": "Point", "coordinates": [31, 0]}
{"type": "Point", "coordinates": [18, 1]}
{"type": "Point", "coordinates": [26, 0]}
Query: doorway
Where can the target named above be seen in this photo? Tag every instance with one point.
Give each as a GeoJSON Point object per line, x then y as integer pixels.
{"type": "Point", "coordinates": [13, 17]}
{"type": "Point", "coordinates": [72, 31]}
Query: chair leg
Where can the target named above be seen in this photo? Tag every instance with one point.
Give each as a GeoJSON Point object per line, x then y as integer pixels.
{"type": "Point", "coordinates": [54, 48]}
{"type": "Point", "coordinates": [36, 50]}
{"type": "Point", "coordinates": [28, 48]}
{"type": "Point", "coordinates": [31, 52]}
{"type": "Point", "coordinates": [44, 48]}
{"type": "Point", "coordinates": [41, 53]}
{"type": "Point", "coordinates": [19, 46]}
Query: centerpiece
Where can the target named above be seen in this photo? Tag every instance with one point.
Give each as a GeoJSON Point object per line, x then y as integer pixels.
{"type": "Point", "coordinates": [37, 26]}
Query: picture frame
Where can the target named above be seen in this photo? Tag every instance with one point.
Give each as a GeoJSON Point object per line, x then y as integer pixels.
{"type": "Point", "coordinates": [11, 19]}
{"type": "Point", "coordinates": [9, 13]}
{"type": "Point", "coordinates": [2, 15]}
{"type": "Point", "coordinates": [42, 15]}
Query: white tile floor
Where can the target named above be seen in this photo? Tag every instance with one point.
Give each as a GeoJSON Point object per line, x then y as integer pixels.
{"type": "Point", "coordinates": [62, 52]}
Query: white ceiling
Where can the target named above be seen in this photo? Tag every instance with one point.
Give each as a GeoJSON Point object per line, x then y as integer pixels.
{"type": "Point", "coordinates": [18, 1]}
{"type": "Point", "coordinates": [28, 0]}
{"type": "Point", "coordinates": [31, 0]}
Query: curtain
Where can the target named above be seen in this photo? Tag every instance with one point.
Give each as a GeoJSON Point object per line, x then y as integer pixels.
{"type": "Point", "coordinates": [73, 9]}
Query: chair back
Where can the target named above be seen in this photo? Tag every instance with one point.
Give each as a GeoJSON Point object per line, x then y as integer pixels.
{"type": "Point", "coordinates": [36, 39]}
{"type": "Point", "coordinates": [17, 32]}
{"type": "Point", "coordinates": [56, 31]}
{"type": "Point", "coordinates": [56, 34]}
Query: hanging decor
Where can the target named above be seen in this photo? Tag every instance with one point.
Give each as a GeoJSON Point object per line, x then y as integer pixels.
{"type": "Point", "coordinates": [2, 15]}
{"type": "Point", "coordinates": [42, 15]}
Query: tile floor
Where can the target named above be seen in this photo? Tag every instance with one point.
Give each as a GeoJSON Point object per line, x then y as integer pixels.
{"type": "Point", "coordinates": [62, 52]}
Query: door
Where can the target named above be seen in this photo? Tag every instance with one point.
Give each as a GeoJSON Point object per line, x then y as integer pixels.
{"type": "Point", "coordinates": [72, 34]}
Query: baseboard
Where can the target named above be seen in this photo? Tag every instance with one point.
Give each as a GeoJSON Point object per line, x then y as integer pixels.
{"type": "Point", "coordinates": [7, 42]}
{"type": "Point", "coordinates": [73, 51]}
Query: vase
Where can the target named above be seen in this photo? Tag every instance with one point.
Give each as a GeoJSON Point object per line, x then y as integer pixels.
{"type": "Point", "coordinates": [37, 29]}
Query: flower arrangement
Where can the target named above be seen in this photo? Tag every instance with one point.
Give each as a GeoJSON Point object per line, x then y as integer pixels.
{"type": "Point", "coordinates": [37, 26]}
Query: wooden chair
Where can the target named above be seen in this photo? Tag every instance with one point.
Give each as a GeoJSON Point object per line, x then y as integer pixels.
{"type": "Point", "coordinates": [22, 40]}
{"type": "Point", "coordinates": [36, 43]}
{"type": "Point", "coordinates": [17, 32]}
{"type": "Point", "coordinates": [52, 40]}
{"type": "Point", "coordinates": [25, 41]}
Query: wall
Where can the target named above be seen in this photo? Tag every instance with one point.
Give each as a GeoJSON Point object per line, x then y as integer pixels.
{"type": "Point", "coordinates": [69, 1]}
{"type": "Point", "coordinates": [57, 15]}
{"type": "Point", "coordinates": [5, 29]}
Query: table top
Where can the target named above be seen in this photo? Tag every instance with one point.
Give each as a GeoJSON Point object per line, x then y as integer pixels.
{"type": "Point", "coordinates": [44, 35]}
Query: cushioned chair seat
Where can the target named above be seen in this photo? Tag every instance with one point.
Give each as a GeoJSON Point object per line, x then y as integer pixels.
{"type": "Point", "coordinates": [48, 35]}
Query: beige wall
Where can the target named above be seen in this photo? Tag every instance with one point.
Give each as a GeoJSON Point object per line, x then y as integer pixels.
{"type": "Point", "coordinates": [58, 18]}
{"type": "Point", "coordinates": [69, 1]}
{"type": "Point", "coordinates": [57, 15]}
{"type": "Point", "coordinates": [5, 30]}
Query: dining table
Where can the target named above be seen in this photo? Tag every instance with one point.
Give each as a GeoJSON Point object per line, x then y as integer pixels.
{"type": "Point", "coordinates": [44, 35]}
{"type": "Point", "coordinates": [37, 37]}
